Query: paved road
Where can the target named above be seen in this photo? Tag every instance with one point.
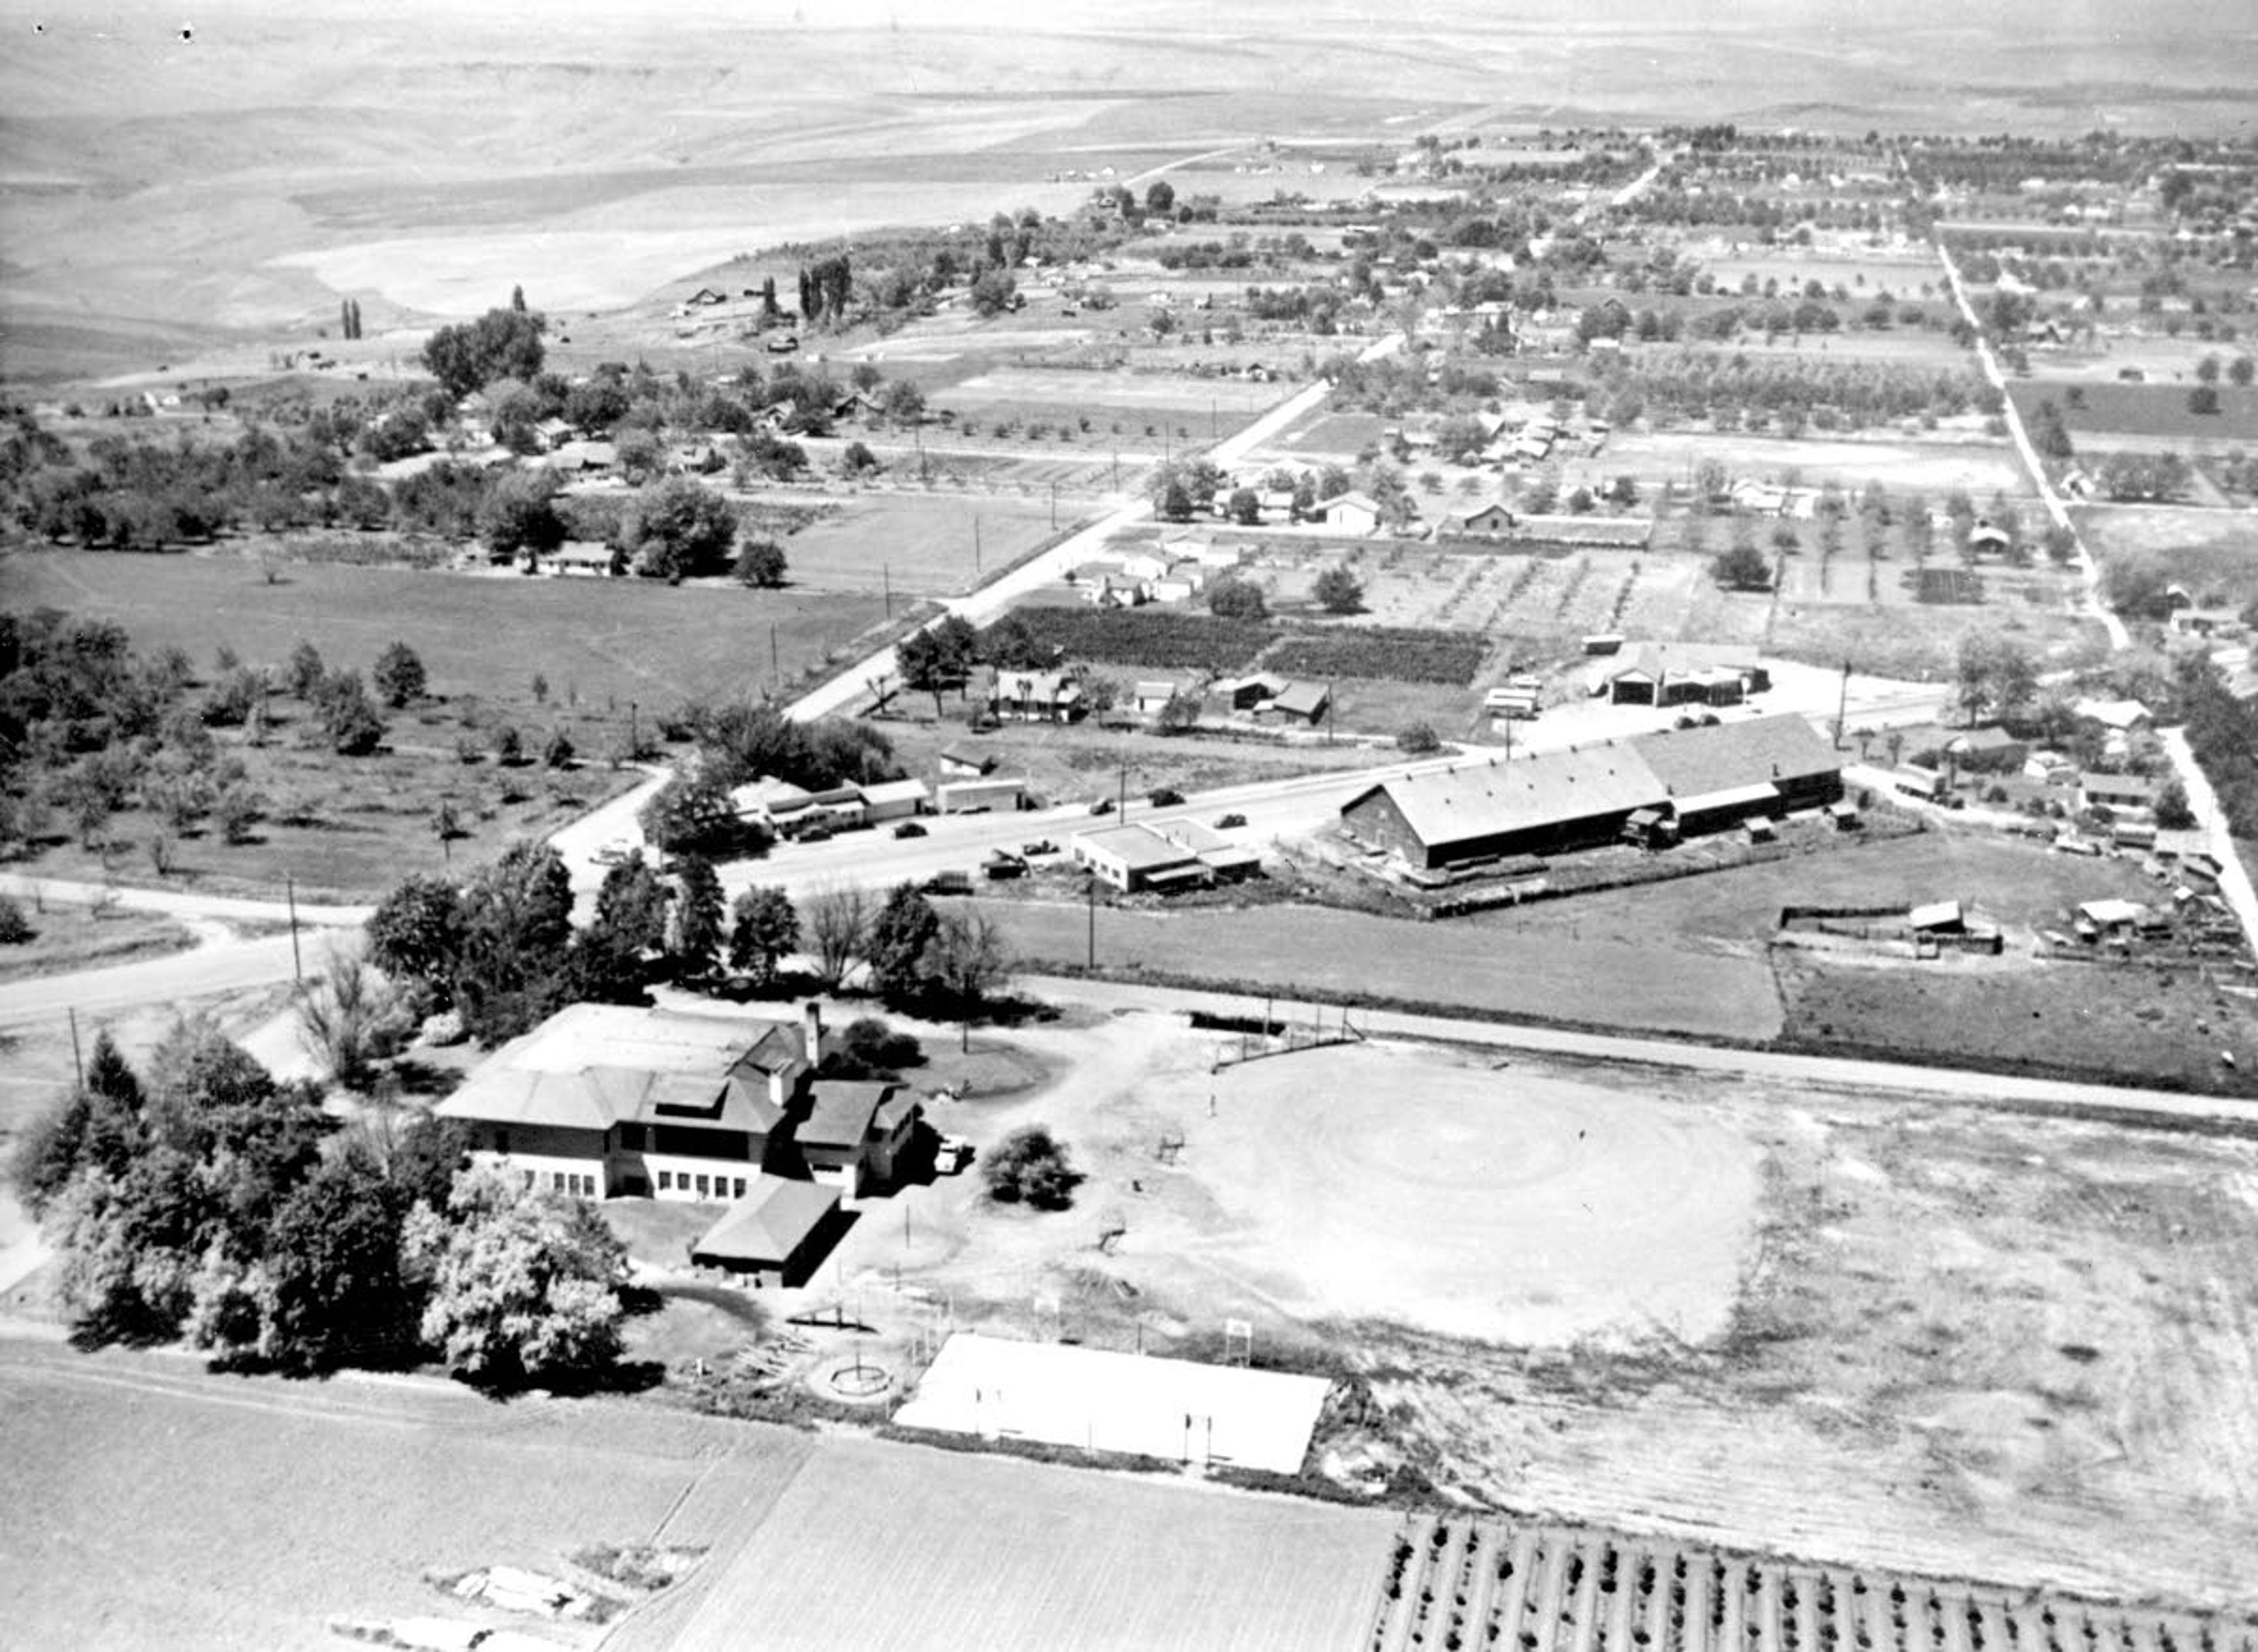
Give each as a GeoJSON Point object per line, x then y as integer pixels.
{"type": "Point", "coordinates": [983, 604]}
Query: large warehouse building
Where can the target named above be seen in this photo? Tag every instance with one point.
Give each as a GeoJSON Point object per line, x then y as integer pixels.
{"type": "Point", "coordinates": [1704, 779]}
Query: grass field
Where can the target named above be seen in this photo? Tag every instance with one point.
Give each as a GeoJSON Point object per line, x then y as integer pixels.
{"type": "Point", "coordinates": [983, 1553]}
{"type": "Point", "coordinates": [1452, 965]}
{"type": "Point", "coordinates": [2207, 551]}
{"type": "Point", "coordinates": [600, 642]}
{"type": "Point", "coordinates": [66, 937]}
{"type": "Point", "coordinates": [155, 1505]}
{"type": "Point", "coordinates": [924, 544]}
{"type": "Point", "coordinates": [2134, 1024]}
{"type": "Point", "coordinates": [2098, 411]}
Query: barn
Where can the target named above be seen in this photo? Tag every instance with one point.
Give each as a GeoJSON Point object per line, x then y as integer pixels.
{"type": "Point", "coordinates": [1701, 780]}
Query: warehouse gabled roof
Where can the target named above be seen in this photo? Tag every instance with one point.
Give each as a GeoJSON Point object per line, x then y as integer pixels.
{"type": "Point", "coordinates": [1690, 762]}
{"type": "Point", "coordinates": [1455, 805]}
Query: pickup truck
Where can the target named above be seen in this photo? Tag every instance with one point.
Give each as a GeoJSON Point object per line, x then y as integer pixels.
{"type": "Point", "coordinates": [1040, 846]}
{"type": "Point", "coordinates": [951, 1155]}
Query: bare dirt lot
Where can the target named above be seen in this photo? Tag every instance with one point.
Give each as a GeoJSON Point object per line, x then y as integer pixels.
{"type": "Point", "coordinates": [1967, 1343]}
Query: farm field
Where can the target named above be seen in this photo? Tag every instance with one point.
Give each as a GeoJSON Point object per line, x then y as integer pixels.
{"type": "Point", "coordinates": [923, 543]}
{"type": "Point", "coordinates": [1574, 1588]}
{"type": "Point", "coordinates": [600, 642]}
{"type": "Point", "coordinates": [1357, 955]}
{"type": "Point", "coordinates": [1052, 1557]}
{"type": "Point", "coordinates": [152, 1504]}
{"type": "Point", "coordinates": [1195, 408]}
{"type": "Point", "coordinates": [2208, 551]}
{"type": "Point", "coordinates": [2096, 413]}
{"type": "Point", "coordinates": [2138, 1024]}
{"type": "Point", "coordinates": [1930, 465]}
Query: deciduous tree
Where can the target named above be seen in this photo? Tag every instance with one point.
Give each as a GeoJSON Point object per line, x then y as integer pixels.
{"type": "Point", "coordinates": [524, 1287]}
{"type": "Point", "coordinates": [763, 931]}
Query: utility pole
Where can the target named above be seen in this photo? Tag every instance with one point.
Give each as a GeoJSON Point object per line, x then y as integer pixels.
{"type": "Point", "coordinates": [290, 894]}
{"type": "Point", "coordinates": [78, 1062]}
{"type": "Point", "coordinates": [1090, 960]}
{"type": "Point", "coordinates": [635, 733]}
{"type": "Point", "coordinates": [1122, 809]}
{"type": "Point", "coordinates": [886, 579]}
{"type": "Point", "coordinates": [1842, 705]}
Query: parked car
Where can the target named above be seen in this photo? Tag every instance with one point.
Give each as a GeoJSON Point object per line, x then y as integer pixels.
{"type": "Point", "coordinates": [1001, 864]}
{"type": "Point", "coordinates": [951, 1154]}
{"type": "Point", "coordinates": [614, 853]}
{"type": "Point", "coordinates": [813, 834]}
{"type": "Point", "coordinates": [1225, 822]}
{"type": "Point", "coordinates": [949, 883]}
{"type": "Point", "coordinates": [1104, 805]}
{"type": "Point", "coordinates": [909, 829]}
{"type": "Point", "coordinates": [1165, 796]}
{"type": "Point", "coordinates": [1040, 846]}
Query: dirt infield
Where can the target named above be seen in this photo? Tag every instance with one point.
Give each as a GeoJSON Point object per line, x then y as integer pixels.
{"type": "Point", "coordinates": [1394, 1182]}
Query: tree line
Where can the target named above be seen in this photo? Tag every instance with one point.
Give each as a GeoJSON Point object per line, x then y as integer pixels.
{"type": "Point", "coordinates": [199, 1199]}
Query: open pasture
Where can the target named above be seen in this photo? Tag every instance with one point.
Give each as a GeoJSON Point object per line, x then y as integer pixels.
{"type": "Point", "coordinates": [924, 544]}
{"type": "Point", "coordinates": [2097, 414]}
{"type": "Point", "coordinates": [2208, 551]}
{"type": "Point", "coordinates": [598, 642]}
{"type": "Point", "coordinates": [987, 1554]}
{"type": "Point", "coordinates": [1933, 466]}
{"type": "Point", "coordinates": [1132, 400]}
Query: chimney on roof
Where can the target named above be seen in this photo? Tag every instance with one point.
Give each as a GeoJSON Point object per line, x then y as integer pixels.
{"type": "Point", "coordinates": [811, 1033]}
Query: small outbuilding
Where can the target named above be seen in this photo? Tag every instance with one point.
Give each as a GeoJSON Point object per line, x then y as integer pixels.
{"type": "Point", "coordinates": [780, 1231]}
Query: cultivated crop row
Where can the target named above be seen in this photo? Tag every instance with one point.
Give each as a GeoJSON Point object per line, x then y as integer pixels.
{"type": "Point", "coordinates": [1468, 1585]}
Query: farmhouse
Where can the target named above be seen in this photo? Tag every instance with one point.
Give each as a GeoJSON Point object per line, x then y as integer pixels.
{"type": "Point", "coordinates": [2097, 790]}
{"type": "Point", "coordinates": [1246, 693]}
{"type": "Point", "coordinates": [1299, 703]}
{"type": "Point", "coordinates": [2121, 716]}
{"type": "Point", "coordinates": [602, 1099]}
{"type": "Point", "coordinates": [584, 559]}
{"type": "Point", "coordinates": [1491, 521]}
{"type": "Point", "coordinates": [1988, 750]}
{"type": "Point", "coordinates": [1700, 780]}
{"type": "Point", "coordinates": [1035, 697]}
{"type": "Point", "coordinates": [1351, 512]}
{"type": "Point", "coordinates": [772, 801]}
{"type": "Point", "coordinates": [1149, 698]}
